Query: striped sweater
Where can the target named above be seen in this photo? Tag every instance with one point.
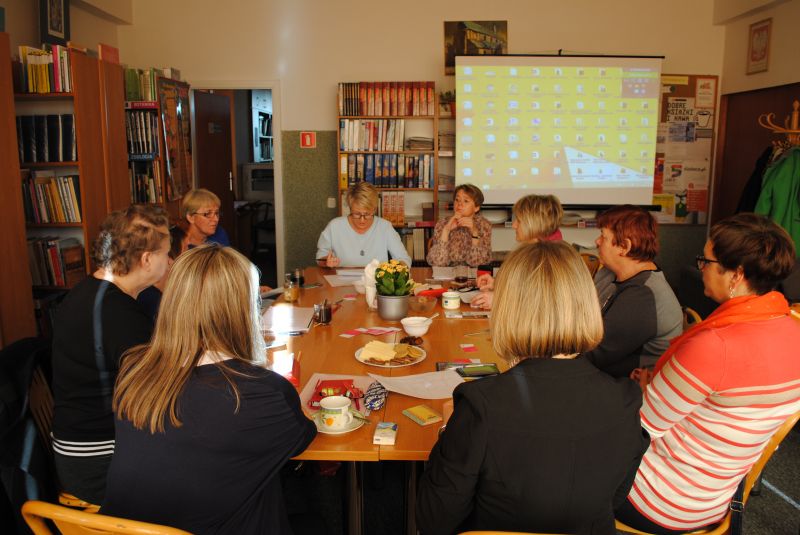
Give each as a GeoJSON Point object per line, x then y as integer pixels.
{"type": "Point", "coordinates": [710, 411]}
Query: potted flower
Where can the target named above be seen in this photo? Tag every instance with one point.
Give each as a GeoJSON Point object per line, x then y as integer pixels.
{"type": "Point", "coordinates": [394, 284]}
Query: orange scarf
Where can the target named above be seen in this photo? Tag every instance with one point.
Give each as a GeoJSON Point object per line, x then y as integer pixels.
{"type": "Point", "coordinates": [737, 310]}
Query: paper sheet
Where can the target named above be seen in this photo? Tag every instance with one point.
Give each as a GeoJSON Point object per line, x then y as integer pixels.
{"type": "Point", "coordinates": [432, 385]}
{"type": "Point", "coordinates": [285, 318]}
{"type": "Point", "coordinates": [443, 273]}
{"type": "Point", "coordinates": [337, 280]}
{"type": "Point", "coordinates": [350, 273]}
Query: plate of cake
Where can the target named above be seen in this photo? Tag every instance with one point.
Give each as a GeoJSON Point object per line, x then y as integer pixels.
{"type": "Point", "coordinates": [386, 355]}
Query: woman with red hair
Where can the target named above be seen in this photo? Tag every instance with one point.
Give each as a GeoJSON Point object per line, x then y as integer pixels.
{"type": "Point", "coordinates": [640, 311]}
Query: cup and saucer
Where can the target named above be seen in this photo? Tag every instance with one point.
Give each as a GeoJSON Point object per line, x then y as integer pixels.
{"type": "Point", "coordinates": [336, 417]}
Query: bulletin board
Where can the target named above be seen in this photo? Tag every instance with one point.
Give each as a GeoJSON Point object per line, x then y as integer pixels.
{"type": "Point", "coordinates": [173, 97]}
{"type": "Point", "coordinates": [684, 147]}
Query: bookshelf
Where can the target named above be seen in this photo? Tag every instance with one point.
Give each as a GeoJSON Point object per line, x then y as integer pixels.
{"type": "Point", "coordinates": [17, 318]}
{"type": "Point", "coordinates": [388, 136]}
{"type": "Point", "coordinates": [65, 188]}
{"type": "Point", "coordinates": [142, 127]}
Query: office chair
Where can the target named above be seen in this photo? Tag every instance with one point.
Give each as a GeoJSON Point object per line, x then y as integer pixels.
{"type": "Point", "coordinates": [723, 528]}
{"type": "Point", "coordinates": [75, 522]}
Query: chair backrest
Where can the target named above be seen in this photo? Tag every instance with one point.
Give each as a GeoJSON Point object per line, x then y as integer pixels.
{"type": "Point", "coordinates": [592, 262]}
{"type": "Point", "coordinates": [690, 317]}
{"type": "Point", "coordinates": [74, 522]}
{"type": "Point", "coordinates": [40, 401]}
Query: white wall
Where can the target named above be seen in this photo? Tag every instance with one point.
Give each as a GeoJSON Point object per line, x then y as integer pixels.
{"type": "Point", "coordinates": [784, 64]}
{"type": "Point", "coordinates": [310, 45]}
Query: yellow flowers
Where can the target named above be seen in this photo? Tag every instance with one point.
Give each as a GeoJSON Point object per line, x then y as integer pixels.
{"type": "Point", "coordinates": [393, 278]}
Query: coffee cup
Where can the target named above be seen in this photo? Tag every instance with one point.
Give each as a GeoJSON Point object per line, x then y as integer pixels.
{"type": "Point", "coordinates": [335, 412]}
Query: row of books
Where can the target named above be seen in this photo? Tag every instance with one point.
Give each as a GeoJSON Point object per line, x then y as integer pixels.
{"type": "Point", "coordinates": [371, 135]}
{"type": "Point", "coordinates": [393, 208]}
{"type": "Point", "coordinates": [387, 98]}
{"type": "Point", "coordinates": [46, 138]}
{"type": "Point", "coordinates": [44, 70]}
{"type": "Point", "coordinates": [49, 198]}
{"type": "Point", "coordinates": [141, 127]}
{"type": "Point", "coordinates": [416, 242]}
{"type": "Point", "coordinates": [140, 84]}
{"type": "Point", "coordinates": [56, 261]}
{"type": "Point", "coordinates": [386, 170]}
{"type": "Point", "coordinates": [146, 182]}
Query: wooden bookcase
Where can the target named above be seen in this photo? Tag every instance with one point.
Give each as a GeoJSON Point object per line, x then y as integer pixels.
{"type": "Point", "coordinates": [96, 106]}
{"type": "Point", "coordinates": [407, 121]}
{"type": "Point", "coordinates": [17, 319]}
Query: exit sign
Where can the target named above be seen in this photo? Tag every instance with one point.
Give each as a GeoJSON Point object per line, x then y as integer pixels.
{"type": "Point", "coordinates": [308, 140]}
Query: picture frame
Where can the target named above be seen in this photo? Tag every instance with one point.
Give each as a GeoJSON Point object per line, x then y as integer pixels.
{"type": "Point", "coordinates": [758, 45]}
{"type": "Point", "coordinates": [473, 38]}
{"type": "Point", "coordinates": [54, 21]}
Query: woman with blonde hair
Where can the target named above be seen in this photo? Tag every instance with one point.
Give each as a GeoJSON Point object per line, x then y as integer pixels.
{"type": "Point", "coordinates": [577, 428]}
{"type": "Point", "coordinates": [201, 208]}
{"type": "Point", "coordinates": [357, 238]}
{"type": "Point", "coordinates": [203, 427]}
{"type": "Point", "coordinates": [536, 218]}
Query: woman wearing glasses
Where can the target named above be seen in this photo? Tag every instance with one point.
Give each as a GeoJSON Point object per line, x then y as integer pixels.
{"type": "Point", "coordinates": [354, 240]}
{"type": "Point", "coordinates": [201, 209]}
{"type": "Point", "coordinates": [722, 388]}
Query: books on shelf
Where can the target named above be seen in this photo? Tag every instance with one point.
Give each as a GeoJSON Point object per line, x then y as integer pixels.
{"type": "Point", "coordinates": [392, 208]}
{"type": "Point", "coordinates": [387, 98]}
{"type": "Point", "coordinates": [46, 138]}
{"type": "Point", "coordinates": [447, 182]}
{"type": "Point", "coordinates": [141, 129]}
{"type": "Point", "coordinates": [56, 261]}
{"type": "Point", "coordinates": [146, 182]}
{"type": "Point", "coordinates": [44, 70]}
{"type": "Point", "coordinates": [371, 134]}
{"type": "Point", "coordinates": [386, 170]}
{"type": "Point", "coordinates": [48, 198]}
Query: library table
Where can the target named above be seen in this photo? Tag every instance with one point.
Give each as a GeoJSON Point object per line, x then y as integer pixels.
{"type": "Point", "coordinates": [323, 350]}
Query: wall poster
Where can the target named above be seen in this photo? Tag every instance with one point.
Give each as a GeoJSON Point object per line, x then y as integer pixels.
{"type": "Point", "coordinates": [684, 148]}
{"type": "Point", "coordinates": [173, 97]}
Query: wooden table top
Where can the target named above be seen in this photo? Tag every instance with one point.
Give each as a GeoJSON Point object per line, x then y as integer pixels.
{"type": "Point", "coordinates": [322, 350]}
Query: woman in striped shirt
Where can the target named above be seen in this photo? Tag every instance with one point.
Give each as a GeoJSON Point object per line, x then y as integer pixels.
{"type": "Point", "coordinates": [722, 388]}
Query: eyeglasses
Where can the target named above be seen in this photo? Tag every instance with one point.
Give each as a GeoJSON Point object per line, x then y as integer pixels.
{"type": "Point", "coordinates": [362, 215]}
{"type": "Point", "coordinates": [210, 215]}
{"type": "Point", "coordinates": [702, 261]}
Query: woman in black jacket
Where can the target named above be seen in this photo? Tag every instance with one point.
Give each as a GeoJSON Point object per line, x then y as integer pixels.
{"type": "Point", "coordinates": [552, 443]}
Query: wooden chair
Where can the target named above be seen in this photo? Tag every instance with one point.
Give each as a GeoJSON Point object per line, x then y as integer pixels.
{"type": "Point", "coordinates": [690, 317]}
{"type": "Point", "coordinates": [592, 262]}
{"type": "Point", "coordinates": [750, 479]}
{"type": "Point", "coordinates": [74, 522]}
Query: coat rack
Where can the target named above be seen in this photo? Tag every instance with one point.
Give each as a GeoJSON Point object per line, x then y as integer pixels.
{"type": "Point", "coordinates": [791, 124]}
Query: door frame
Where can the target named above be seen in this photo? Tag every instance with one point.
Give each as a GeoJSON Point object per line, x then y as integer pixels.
{"type": "Point", "coordinates": [275, 87]}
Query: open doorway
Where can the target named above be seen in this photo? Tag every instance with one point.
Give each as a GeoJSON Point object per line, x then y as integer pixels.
{"type": "Point", "coordinates": [256, 222]}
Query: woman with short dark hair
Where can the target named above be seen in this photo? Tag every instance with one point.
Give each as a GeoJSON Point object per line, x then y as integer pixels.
{"type": "Point", "coordinates": [98, 321]}
{"type": "Point", "coordinates": [550, 444]}
{"type": "Point", "coordinates": [466, 237]}
{"type": "Point", "coordinates": [722, 388]}
{"type": "Point", "coordinates": [640, 312]}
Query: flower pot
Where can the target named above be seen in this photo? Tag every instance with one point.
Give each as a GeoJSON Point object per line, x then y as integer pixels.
{"type": "Point", "coordinates": [392, 307]}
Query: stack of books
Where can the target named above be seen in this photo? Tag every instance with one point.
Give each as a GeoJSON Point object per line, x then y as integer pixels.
{"type": "Point", "coordinates": [419, 143]}
{"type": "Point", "coordinates": [388, 99]}
{"type": "Point", "coordinates": [56, 261]}
{"type": "Point", "coordinates": [44, 70]}
{"type": "Point", "coordinates": [447, 144]}
{"type": "Point", "coordinates": [50, 199]}
{"type": "Point", "coordinates": [46, 138]}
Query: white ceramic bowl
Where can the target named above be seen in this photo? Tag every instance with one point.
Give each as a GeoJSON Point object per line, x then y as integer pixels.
{"type": "Point", "coordinates": [495, 216]}
{"type": "Point", "coordinates": [467, 297]}
{"type": "Point", "coordinates": [359, 285]}
{"type": "Point", "coordinates": [416, 325]}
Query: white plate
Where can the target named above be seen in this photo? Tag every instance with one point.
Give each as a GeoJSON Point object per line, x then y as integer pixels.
{"type": "Point", "coordinates": [388, 364]}
{"type": "Point", "coordinates": [354, 424]}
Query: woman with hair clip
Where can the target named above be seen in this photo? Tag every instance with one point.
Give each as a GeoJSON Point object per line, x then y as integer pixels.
{"type": "Point", "coordinates": [97, 322]}
{"type": "Point", "coordinates": [550, 445]}
{"type": "Point", "coordinates": [203, 427]}
{"type": "Point", "coordinates": [536, 218]}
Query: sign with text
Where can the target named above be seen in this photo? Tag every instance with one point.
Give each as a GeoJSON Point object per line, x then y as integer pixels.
{"type": "Point", "coordinates": [308, 140]}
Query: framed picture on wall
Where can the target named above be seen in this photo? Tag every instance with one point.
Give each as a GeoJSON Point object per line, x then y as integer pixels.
{"type": "Point", "coordinates": [473, 38]}
{"type": "Point", "coordinates": [54, 21]}
{"type": "Point", "coordinates": [758, 46]}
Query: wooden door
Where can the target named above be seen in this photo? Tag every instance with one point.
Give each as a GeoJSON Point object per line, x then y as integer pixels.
{"type": "Point", "coordinates": [213, 142]}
